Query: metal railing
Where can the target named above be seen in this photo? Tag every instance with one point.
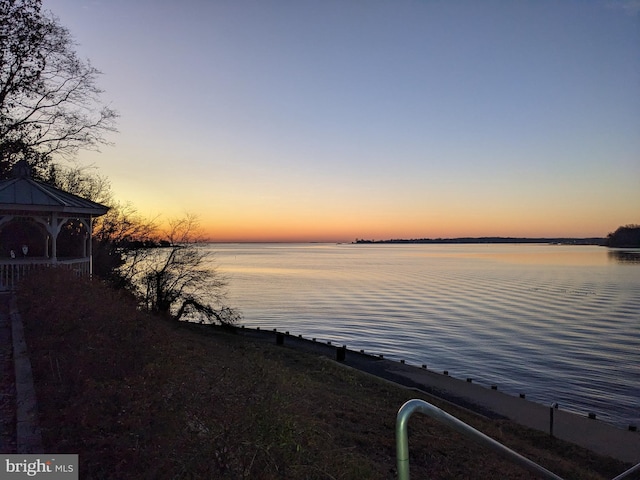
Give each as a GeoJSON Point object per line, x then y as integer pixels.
{"type": "Point", "coordinates": [635, 468]}
{"type": "Point", "coordinates": [402, 440]}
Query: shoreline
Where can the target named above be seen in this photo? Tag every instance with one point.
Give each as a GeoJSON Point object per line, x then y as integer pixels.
{"type": "Point", "coordinates": [583, 430]}
{"type": "Point", "coordinates": [570, 403]}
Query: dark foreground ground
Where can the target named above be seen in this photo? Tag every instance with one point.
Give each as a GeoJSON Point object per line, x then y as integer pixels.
{"type": "Point", "coordinates": [140, 397]}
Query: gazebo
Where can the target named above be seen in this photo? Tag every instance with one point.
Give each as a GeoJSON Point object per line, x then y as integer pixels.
{"type": "Point", "coordinates": [42, 226]}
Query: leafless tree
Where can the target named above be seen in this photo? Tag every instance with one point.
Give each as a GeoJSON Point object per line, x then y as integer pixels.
{"type": "Point", "coordinates": [122, 242]}
{"type": "Point", "coordinates": [49, 99]}
{"type": "Point", "coordinates": [180, 280]}
{"type": "Point", "coordinates": [81, 180]}
{"type": "Point", "coordinates": [121, 237]}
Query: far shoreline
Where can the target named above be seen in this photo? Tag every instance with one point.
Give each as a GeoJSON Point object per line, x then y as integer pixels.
{"type": "Point", "coordinates": [598, 241]}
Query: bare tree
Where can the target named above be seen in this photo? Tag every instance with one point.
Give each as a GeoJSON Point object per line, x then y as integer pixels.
{"type": "Point", "coordinates": [49, 100]}
{"type": "Point", "coordinates": [180, 280]}
{"type": "Point", "coordinates": [121, 243]}
{"type": "Point", "coordinates": [121, 237]}
{"type": "Point", "coordinates": [81, 180]}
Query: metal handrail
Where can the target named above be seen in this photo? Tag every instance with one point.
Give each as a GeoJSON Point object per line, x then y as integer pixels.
{"type": "Point", "coordinates": [402, 440]}
{"type": "Point", "coordinates": [633, 469]}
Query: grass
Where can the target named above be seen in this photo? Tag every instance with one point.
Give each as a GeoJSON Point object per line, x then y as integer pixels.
{"type": "Point", "coordinates": [139, 396]}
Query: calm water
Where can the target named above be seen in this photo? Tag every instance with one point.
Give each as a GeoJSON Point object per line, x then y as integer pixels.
{"type": "Point", "coordinates": [559, 323]}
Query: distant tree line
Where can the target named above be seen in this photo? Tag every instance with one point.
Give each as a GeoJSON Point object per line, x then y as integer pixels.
{"type": "Point", "coordinates": [627, 236]}
{"type": "Point", "coordinates": [473, 240]}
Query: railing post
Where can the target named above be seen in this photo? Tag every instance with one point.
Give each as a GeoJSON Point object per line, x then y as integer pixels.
{"type": "Point", "coordinates": [402, 438]}
{"type": "Point", "coordinates": [553, 407]}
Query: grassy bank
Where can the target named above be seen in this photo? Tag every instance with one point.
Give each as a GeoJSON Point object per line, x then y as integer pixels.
{"type": "Point", "coordinates": [138, 396]}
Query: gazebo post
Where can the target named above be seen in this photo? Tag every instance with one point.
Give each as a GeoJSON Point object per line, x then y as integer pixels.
{"type": "Point", "coordinates": [54, 237]}
{"type": "Point", "coordinates": [90, 245]}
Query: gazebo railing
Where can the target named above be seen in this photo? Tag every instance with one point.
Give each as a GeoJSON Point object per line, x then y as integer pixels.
{"type": "Point", "coordinates": [12, 271]}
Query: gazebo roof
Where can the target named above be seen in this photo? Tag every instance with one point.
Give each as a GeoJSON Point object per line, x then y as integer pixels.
{"type": "Point", "coordinates": [22, 193]}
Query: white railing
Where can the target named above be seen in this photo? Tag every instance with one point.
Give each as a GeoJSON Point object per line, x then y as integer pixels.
{"type": "Point", "coordinates": [13, 271]}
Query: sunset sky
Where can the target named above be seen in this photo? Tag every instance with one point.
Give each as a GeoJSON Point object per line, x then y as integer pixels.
{"type": "Point", "coordinates": [331, 120]}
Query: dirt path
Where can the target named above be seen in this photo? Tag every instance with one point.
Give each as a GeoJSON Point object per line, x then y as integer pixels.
{"type": "Point", "coordinates": [7, 381]}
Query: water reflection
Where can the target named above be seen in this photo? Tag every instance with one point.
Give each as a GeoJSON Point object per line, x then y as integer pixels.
{"type": "Point", "coordinates": [625, 256]}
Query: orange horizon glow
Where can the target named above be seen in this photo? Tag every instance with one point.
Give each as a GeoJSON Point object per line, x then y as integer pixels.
{"type": "Point", "coordinates": [371, 226]}
{"type": "Point", "coordinates": [232, 217]}
{"type": "Point", "coordinates": [249, 235]}
{"type": "Point", "coordinates": [244, 224]}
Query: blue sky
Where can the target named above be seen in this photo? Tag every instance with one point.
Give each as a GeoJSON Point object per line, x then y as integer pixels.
{"type": "Point", "coordinates": [331, 120]}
